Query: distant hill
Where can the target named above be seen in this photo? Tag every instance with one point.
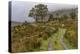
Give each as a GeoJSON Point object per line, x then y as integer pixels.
{"type": "Point", "coordinates": [64, 11]}
{"type": "Point", "coordinates": [14, 23]}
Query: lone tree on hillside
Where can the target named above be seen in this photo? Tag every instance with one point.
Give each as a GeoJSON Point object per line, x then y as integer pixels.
{"type": "Point", "coordinates": [65, 17]}
{"type": "Point", "coordinates": [39, 11]}
{"type": "Point", "coordinates": [50, 17]}
{"type": "Point", "coordinates": [73, 15]}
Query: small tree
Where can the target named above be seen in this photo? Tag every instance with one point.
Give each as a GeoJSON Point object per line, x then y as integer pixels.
{"type": "Point", "coordinates": [73, 15]}
{"type": "Point", "coordinates": [50, 17]}
{"type": "Point", "coordinates": [65, 16]}
{"type": "Point", "coordinates": [57, 14]}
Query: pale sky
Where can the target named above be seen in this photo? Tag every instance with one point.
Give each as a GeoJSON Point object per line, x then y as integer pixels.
{"type": "Point", "coordinates": [20, 9]}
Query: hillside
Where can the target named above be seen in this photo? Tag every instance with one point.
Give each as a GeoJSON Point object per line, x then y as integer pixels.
{"type": "Point", "coordinates": [14, 23]}
{"type": "Point", "coordinates": [49, 36]}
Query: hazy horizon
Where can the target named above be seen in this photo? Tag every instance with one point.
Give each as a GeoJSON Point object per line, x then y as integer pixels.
{"type": "Point", "coordinates": [20, 9]}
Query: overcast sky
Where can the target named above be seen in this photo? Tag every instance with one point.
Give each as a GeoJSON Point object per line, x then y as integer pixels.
{"type": "Point", "coordinates": [20, 9]}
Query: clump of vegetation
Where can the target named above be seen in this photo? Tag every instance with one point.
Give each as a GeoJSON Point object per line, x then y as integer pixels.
{"type": "Point", "coordinates": [71, 37]}
{"type": "Point", "coordinates": [71, 34]}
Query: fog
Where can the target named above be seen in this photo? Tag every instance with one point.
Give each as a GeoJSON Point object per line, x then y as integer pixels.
{"type": "Point", "coordinates": [20, 9]}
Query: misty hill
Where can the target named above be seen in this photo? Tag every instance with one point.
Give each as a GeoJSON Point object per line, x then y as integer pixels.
{"type": "Point", "coordinates": [14, 23]}
{"type": "Point", "coordinates": [64, 12]}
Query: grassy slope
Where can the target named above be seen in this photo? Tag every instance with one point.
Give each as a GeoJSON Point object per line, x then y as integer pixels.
{"type": "Point", "coordinates": [55, 39]}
